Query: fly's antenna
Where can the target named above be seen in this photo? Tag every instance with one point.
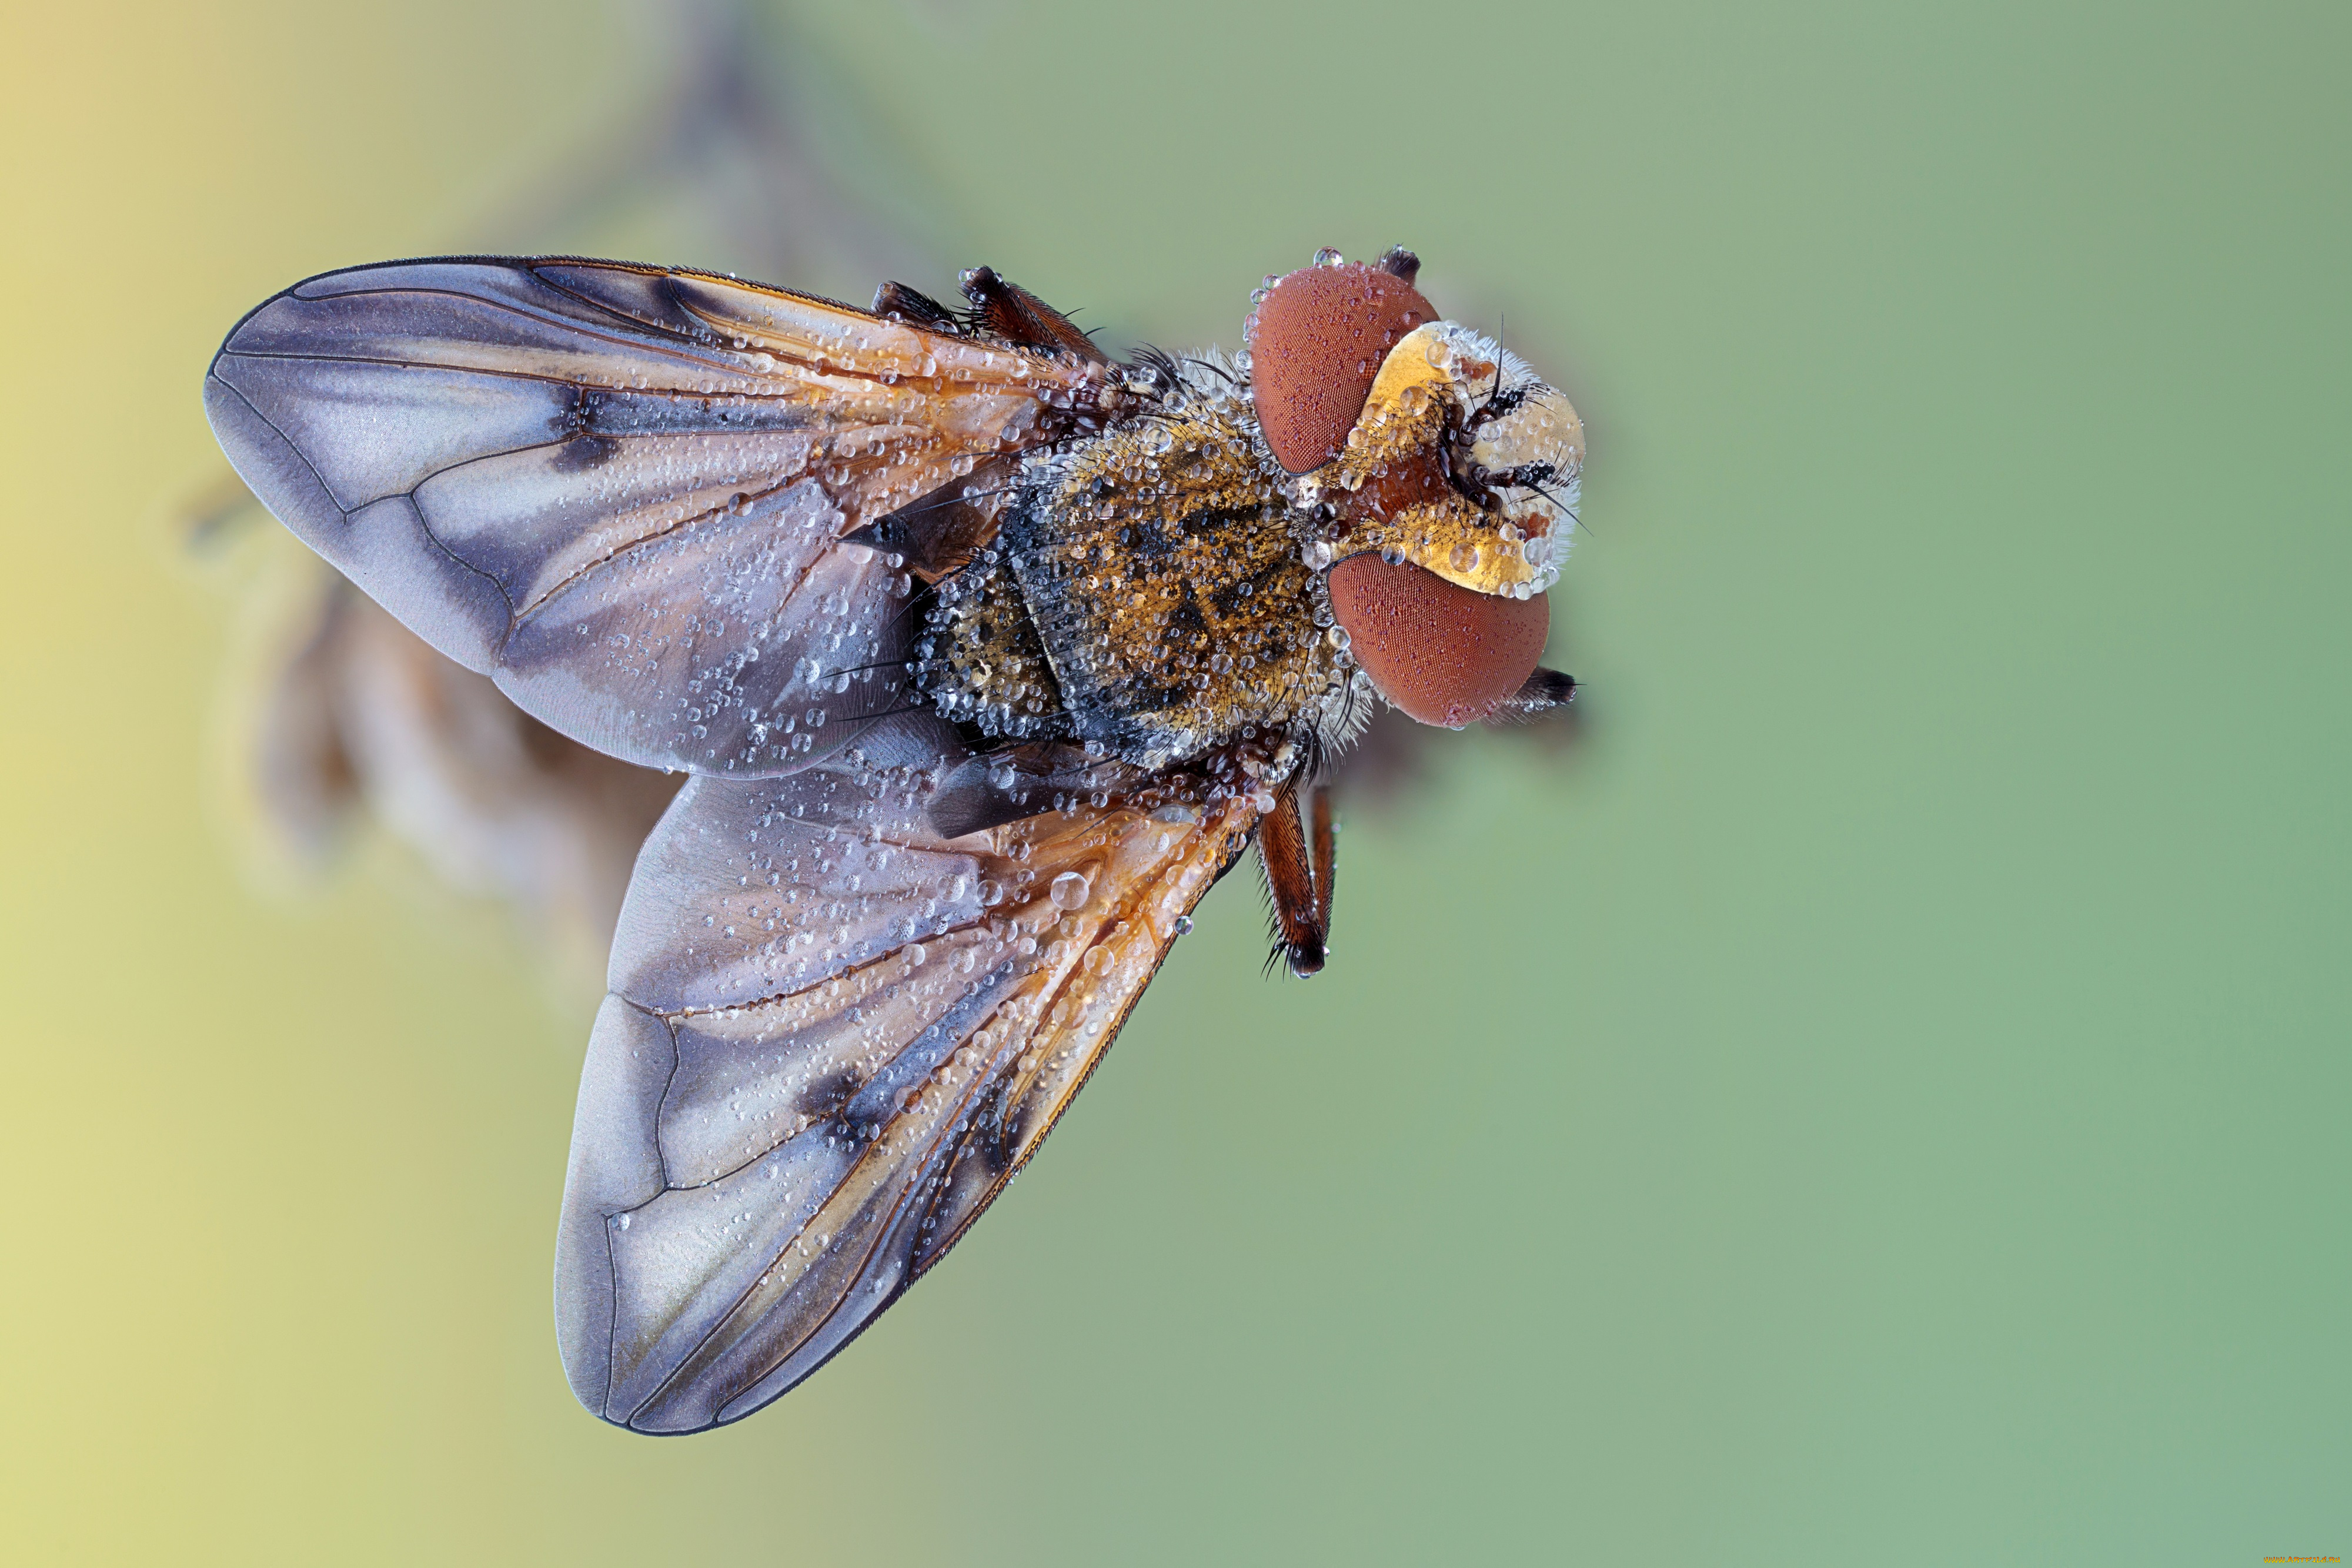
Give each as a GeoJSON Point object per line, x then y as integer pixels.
{"type": "Point", "coordinates": [1502, 345]}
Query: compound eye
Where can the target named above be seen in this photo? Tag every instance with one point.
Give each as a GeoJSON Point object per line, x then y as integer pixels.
{"type": "Point", "coordinates": [1442, 652]}
{"type": "Point", "coordinates": [1315, 344]}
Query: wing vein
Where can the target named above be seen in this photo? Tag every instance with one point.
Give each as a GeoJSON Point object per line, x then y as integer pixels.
{"type": "Point", "coordinates": [666, 341]}
{"type": "Point", "coordinates": [906, 1189]}
{"type": "Point", "coordinates": [879, 1233]}
{"type": "Point", "coordinates": [679, 394]}
{"type": "Point", "coordinates": [274, 430]}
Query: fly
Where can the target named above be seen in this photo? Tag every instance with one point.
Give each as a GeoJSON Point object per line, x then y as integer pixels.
{"type": "Point", "coordinates": [985, 655]}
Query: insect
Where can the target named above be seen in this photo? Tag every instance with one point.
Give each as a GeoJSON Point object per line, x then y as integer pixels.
{"type": "Point", "coordinates": [985, 654]}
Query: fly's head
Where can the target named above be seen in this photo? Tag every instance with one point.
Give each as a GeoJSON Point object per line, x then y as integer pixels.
{"type": "Point", "coordinates": [1436, 475]}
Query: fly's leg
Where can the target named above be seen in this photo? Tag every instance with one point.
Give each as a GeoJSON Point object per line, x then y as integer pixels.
{"type": "Point", "coordinates": [1011, 312]}
{"type": "Point", "coordinates": [1323, 853]}
{"type": "Point", "coordinates": [1297, 847]}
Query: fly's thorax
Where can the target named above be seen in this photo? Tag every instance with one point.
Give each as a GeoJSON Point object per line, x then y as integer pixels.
{"type": "Point", "coordinates": [1163, 586]}
{"type": "Point", "coordinates": [1463, 462]}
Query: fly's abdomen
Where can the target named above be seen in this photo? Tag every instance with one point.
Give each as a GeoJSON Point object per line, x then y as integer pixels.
{"type": "Point", "coordinates": [979, 660]}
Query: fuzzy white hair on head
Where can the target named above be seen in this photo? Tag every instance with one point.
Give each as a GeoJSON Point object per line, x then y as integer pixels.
{"type": "Point", "coordinates": [1538, 437]}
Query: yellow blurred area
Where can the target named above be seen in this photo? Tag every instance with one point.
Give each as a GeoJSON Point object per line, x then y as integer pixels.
{"type": "Point", "coordinates": [1881, 1097]}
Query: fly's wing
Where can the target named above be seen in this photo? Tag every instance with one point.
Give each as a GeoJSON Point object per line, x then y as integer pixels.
{"type": "Point", "coordinates": [620, 491]}
{"type": "Point", "coordinates": [833, 1036]}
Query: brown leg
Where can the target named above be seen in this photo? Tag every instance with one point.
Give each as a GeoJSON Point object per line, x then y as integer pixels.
{"type": "Point", "coordinates": [899, 302]}
{"type": "Point", "coordinates": [1297, 845]}
{"type": "Point", "coordinates": [1017, 316]}
{"type": "Point", "coordinates": [1323, 852]}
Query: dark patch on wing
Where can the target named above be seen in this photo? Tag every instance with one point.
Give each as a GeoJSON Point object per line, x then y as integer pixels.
{"type": "Point", "coordinates": [584, 451]}
{"type": "Point", "coordinates": [828, 1093]}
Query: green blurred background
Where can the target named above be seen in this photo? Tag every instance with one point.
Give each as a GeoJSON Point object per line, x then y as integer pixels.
{"type": "Point", "coordinates": [1880, 1097]}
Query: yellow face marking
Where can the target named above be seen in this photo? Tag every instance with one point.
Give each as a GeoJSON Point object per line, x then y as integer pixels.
{"type": "Point", "coordinates": [1395, 468]}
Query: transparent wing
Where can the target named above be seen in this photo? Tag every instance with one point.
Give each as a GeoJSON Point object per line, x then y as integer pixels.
{"type": "Point", "coordinates": [833, 1036]}
{"type": "Point", "coordinates": [620, 490]}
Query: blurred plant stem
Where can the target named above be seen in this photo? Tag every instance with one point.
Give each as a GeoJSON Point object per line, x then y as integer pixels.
{"type": "Point", "coordinates": [347, 724]}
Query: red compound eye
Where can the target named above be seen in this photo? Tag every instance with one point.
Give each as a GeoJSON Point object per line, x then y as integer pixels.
{"type": "Point", "coordinates": [1321, 337]}
{"type": "Point", "coordinates": [1442, 652]}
